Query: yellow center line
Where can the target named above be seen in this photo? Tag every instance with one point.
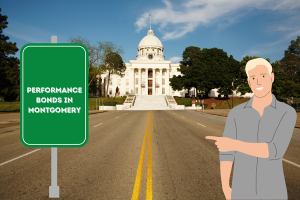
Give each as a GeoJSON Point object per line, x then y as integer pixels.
{"type": "Point", "coordinates": [138, 179]}
{"type": "Point", "coordinates": [149, 166]}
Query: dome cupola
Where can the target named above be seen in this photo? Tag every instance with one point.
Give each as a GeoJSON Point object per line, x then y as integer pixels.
{"type": "Point", "coordinates": [150, 40]}
{"type": "Point", "coordinates": [150, 48]}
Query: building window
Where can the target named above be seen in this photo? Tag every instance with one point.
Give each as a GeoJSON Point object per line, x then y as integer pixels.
{"type": "Point", "coordinates": [127, 91]}
{"type": "Point", "coordinates": [136, 90]}
{"type": "Point", "coordinates": [119, 82]}
{"type": "Point", "coordinates": [163, 90]}
{"type": "Point", "coordinates": [110, 82]}
{"type": "Point", "coordinates": [127, 82]}
{"type": "Point", "coordinates": [136, 81]}
{"type": "Point", "coordinates": [163, 81]}
{"type": "Point", "coordinates": [127, 73]}
{"type": "Point", "coordinates": [110, 92]}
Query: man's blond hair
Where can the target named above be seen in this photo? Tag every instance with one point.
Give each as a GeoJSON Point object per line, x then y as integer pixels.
{"type": "Point", "coordinates": [257, 61]}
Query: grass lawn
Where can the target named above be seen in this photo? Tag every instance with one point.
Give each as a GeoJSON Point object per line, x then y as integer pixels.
{"type": "Point", "coordinates": [10, 106]}
{"type": "Point", "coordinates": [110, 101]}
{"type": "Point", "coordinates": [227, 104]}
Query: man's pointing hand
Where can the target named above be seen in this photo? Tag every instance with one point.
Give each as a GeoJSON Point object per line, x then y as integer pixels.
{"type": "Point", "coordinates": [223, 143]}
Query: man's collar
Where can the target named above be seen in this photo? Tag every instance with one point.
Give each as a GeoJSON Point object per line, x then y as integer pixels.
{"type": "Point", "coordinates": [273, 103]}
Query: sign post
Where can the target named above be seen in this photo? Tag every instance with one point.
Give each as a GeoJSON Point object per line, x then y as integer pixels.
{"type": "Point", "coordinates": [54, 98]}
{"type": "Point", "coordinates": [54, 188]}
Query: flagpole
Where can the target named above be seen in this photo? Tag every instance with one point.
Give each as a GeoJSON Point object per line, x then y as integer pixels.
{"type": "Point", "coordinates": [150, 21]}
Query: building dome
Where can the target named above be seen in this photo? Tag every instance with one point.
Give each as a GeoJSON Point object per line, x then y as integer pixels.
{"type": "Point", "coordinates": [150, 40]}
{"type": "Point", "coordinates": [150, 48]}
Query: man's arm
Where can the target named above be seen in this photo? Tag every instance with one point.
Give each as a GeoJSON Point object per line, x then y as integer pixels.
{"type": "Point", "coordinates": [227, 158]}
{"type": "Point", "coordinates": [254, 149]}
{"type": "Point", "coordinates": [225, 169]}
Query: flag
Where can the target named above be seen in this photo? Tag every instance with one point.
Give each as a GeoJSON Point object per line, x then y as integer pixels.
{"type": "Point", "coordinates": [150, 17]}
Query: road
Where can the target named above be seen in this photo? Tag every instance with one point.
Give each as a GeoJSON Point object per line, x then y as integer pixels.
{"type": "Point", "coordinates": [184, 164]}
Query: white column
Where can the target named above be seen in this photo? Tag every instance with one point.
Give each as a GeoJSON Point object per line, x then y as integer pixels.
{"type": "Point", "coordinates": [146, 82]}
{"type": "Point", "coordinates": [140, 82]}
{"type": "Point", "coordinates": [153, 83]}
{"type": "Point", "coordinates": [167, 82]}
{"type": "Point", "coordinates": [132, 83]}
{"type": "Point", "coordinates": [160, 82]}
{"type": "Point", "coordinates": [107, 91]}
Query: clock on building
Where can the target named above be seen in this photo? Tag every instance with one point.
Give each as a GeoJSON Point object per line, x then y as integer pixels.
{"type": "Point", "coordinates": [150, 56]}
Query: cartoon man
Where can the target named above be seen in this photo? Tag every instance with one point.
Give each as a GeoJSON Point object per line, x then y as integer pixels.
{"type": "Point", "coordinates": [256, 136]}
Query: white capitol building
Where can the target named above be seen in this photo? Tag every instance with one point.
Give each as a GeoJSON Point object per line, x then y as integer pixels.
{"type": "Point", "coordinates": [148, 74]}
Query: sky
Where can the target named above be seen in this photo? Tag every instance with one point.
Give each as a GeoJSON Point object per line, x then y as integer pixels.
{"type": "Point", "coordinates": [262, 28]}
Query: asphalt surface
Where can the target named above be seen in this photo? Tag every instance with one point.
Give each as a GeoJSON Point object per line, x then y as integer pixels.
{"type": "Point", "coordinates": [184, 164]}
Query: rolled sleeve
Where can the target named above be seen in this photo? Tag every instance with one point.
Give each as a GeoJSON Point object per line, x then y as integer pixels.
{"type": "Point", "coordinates": [230, 131]}
{"type": "Point", "coordinates": [283, 134]}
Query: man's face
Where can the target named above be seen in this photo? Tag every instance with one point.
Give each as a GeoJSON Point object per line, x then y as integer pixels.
{"type": "Point", "coordinates": [260, 81]}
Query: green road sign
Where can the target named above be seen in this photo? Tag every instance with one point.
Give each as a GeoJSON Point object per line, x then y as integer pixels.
{"type": "Point", "coordinates": [54, 95]}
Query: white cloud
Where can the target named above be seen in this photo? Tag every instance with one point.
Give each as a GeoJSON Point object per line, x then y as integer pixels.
{"type": "Point", "coordinates": [174, 23]}
{"type": "Point", "coordinates": [175, 59]}
{"type": "Point", "coordinates": [26, 32]}
{"type": "Point", "coordinates": [21, 36]}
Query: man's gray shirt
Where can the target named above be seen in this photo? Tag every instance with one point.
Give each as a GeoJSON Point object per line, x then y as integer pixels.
{"type": "Point", "coordinates": [255, 177]}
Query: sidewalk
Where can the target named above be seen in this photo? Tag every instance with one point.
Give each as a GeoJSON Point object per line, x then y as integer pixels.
{"type": "Point", "coordinates": [96, 111]}
{"type": "Point", "coordinates": [224, 113]}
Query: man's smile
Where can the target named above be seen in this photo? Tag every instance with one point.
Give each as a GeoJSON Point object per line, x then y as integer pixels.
{"type": "Point", "coordinates": [260, 88]}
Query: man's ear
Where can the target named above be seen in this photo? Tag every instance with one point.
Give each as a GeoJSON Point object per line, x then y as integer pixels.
{"type": "Point", "coordinates": [249, 82]}
{"type": "Point", "coordinates": [272, 77]}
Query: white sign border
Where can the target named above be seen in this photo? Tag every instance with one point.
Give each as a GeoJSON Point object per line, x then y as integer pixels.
{"type": "Point", "coordinates": [23, 98]}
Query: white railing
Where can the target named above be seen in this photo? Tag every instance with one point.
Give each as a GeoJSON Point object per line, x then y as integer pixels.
{"type": "Point", "coordinates": [130, 101]}
{"type": "Point", "coordinates": [171, 102]}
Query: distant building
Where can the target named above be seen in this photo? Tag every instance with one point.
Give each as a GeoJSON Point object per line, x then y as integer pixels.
{"type": "Point", "coordinates": [148, 74]}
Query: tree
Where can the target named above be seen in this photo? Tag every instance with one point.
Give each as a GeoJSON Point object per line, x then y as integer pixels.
{"type": "Point", "coordinates": [9, 66]}
{"type": "Point", "coordinates": [205, 70]}
{"type": "Point", "coordinates": [279, 79]}
{"type": "Point", "coordinates": [191, 57]}
{"type": "Point", "coordinates": [93, 87]}
{"type": "Point", "coordinates": [97, 55]}
{"type": "Point", "coordinates": [229, 72]}
{"type": "Point", "coordinates": [114, 64]}
{"type": "Point", "coordinates": [217, 70]}
{"type": "Point", "coordinates": [290, 65]}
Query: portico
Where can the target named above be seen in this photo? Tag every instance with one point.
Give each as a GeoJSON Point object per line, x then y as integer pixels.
{"type": "Point", "coordinates": [150, 81]}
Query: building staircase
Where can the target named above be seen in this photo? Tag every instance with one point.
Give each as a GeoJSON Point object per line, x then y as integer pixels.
{"type": "Point", "coordinates": [150, 102]}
